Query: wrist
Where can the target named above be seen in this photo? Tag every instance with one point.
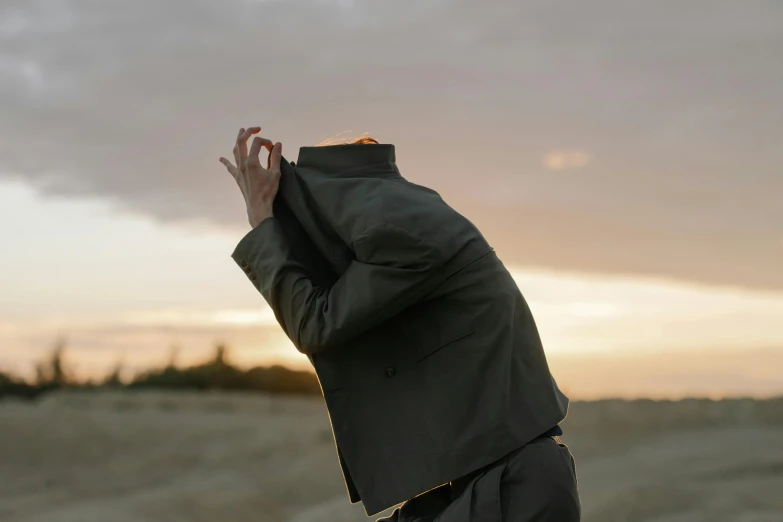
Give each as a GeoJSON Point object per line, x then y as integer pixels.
{"type": "Point", "coordinates": [260, 218]}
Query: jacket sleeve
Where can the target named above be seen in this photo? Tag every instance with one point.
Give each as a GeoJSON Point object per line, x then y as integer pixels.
{"type": "Point", "coordinates": [392, 271]}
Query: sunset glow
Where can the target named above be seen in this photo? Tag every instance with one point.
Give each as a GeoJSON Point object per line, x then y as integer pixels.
{"type": "Point", "coordinates": [128, 297]}
{"type": "Point", "coordinates": [629, 182]}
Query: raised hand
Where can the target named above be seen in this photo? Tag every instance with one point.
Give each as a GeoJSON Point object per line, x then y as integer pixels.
{"type": "Point", "coordinates": [258, 185]}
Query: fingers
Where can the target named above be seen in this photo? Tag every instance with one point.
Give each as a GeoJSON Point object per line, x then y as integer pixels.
{"type": "Point", "coordinates": [255, 149]}
{"type": "Point", "coordinates": [243, 158]}
{"type": "Point", "coordinates": [237, 159]}
{"type": "Point", "coordinates": [273, 163]}
{"type": "Point", "coordinates": [231, 168]}
{"type": "Point", "coordinates": [242, 143]}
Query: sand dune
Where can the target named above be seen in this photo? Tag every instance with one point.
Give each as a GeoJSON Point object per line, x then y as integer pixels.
{"type": "Point", "coordinates": [149, 456]}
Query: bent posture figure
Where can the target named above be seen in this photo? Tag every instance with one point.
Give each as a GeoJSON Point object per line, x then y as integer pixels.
{"type": "Point", "coordinates": [432, 369]}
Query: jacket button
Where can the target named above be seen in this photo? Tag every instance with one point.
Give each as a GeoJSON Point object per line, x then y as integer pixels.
{"type": "Point", "coordinates": [243, 263]}
{"type": "Point", "coordinates": [390, 371]}
{"type": "Point", "coordinates": [247, 269]}
{"type": "Point", "coordinates": [293, 164]}
{"type": "Point", "coordinates": [252, 277]}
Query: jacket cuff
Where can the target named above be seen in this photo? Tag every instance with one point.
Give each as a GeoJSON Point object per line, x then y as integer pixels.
{"type": "Point", "coordinates": [262, 254]}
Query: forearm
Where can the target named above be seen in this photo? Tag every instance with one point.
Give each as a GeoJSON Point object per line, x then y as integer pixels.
{"type": "Point", "coordinates": [316, 318]}
{"type": "Point", "coordinates": [264, 255]}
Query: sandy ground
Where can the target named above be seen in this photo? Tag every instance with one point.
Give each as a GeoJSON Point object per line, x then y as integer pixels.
{"type": "Point", "coordinates": [119, 457]}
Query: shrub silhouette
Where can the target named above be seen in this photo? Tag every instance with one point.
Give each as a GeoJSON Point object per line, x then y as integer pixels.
{"type": "Point", "coordinates": [53, 372]}
{"type": "Point", "coordinates": [114, 379]}
{"type": "Point", "coordinates": [216, 373]}
{"type": "Point", "coordinates": [10, 386]}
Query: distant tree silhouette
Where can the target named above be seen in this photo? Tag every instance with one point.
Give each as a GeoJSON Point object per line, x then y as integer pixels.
{"type": "Point", "coordinates": [216, 373]}
{"type": "Point", "coordinates": [220, 355]}
{"type": "Point", "coordinates": [114, 379]}
{"type": "Point", "coordinates": [53, 372]}
{"type": "Point", "coordinates": [10, 386]}
{"type": "Point", "coordinates": [173, 356]}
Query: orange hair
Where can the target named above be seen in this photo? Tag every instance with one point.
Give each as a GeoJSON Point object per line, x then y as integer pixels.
{"type": "Point", "coordinates": [363, 140]}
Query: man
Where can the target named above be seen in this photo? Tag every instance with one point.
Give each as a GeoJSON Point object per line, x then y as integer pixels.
{"type": "Point", "coordinates": [431, 366]}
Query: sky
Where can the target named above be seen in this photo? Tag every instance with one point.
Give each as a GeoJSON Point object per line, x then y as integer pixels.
{"type": "Point", "coordinates": [624, 158]}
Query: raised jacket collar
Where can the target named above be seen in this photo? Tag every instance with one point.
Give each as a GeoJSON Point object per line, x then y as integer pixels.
{"type": "Point", "coordinates": [332, 159]}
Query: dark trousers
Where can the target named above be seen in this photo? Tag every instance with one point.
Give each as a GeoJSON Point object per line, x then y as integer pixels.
{"type": "Point", "coordinates": [536, 482]}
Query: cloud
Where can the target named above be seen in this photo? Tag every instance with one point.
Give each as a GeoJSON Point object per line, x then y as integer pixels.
{"type": "Point", "coordinates": [133, 102]}
{"type": "Point", "coordinates": [621, 315]}
{"type": "Point", "coordinates": [565, 159]}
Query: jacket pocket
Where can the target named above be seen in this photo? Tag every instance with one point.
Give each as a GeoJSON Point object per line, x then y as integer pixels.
{"type": "Point", "coordinates": [445, 344]}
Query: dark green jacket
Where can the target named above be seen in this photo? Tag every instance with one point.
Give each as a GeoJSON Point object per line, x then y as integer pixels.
{"type": "Point", "coordinates": [429, 359]}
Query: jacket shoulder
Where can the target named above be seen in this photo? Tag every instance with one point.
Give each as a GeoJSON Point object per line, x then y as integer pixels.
{"type": "Point", "coordinates": [423, 214]}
